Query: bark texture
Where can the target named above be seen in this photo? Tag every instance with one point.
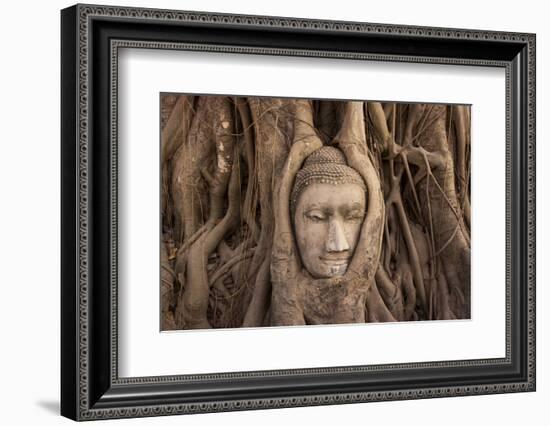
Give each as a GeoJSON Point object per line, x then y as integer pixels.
{"type": "Point", "coordinates": [228, 252]}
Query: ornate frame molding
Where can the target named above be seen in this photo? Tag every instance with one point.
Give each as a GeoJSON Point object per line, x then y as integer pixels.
{"type": "Point", "coordinates": [78, 23]}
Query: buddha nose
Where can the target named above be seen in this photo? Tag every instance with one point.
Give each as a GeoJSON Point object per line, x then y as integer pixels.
{"type": "Point", "coordinates": [336, 240]}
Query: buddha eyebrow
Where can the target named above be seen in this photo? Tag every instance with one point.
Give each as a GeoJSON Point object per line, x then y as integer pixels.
{"type": "Point", "coordinates": [315, 205]}
{"type": "Point", "coordinates": [354, 206]}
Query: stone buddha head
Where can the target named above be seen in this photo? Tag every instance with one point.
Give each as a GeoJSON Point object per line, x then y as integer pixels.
{"type": "Point", "coordinates": [327, 207]}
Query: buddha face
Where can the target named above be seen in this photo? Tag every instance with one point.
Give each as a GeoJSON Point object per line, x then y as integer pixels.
{"type": "Point", "coordinates": [327, 223]}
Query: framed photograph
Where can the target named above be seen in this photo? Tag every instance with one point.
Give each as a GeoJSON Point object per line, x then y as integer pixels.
{"type": "Point", "coordinates": [263, 212]}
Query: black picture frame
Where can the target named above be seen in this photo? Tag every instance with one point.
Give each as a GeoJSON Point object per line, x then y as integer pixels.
{"type": "Point", "coordinates": [90, 386]}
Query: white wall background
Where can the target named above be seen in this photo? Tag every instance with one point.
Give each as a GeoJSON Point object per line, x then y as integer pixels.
{"type": "Point", "coordinates": [29, 212]}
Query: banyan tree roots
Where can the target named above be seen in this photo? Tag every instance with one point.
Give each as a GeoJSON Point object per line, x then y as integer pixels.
{"type": "Point", "coordinates": [228, 249]}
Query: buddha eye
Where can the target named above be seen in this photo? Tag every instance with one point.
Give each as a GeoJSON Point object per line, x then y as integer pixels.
{"type": "Point", "coordinates": [316, 216]}
{"type": "Point", "coordinates": [354, 216]}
